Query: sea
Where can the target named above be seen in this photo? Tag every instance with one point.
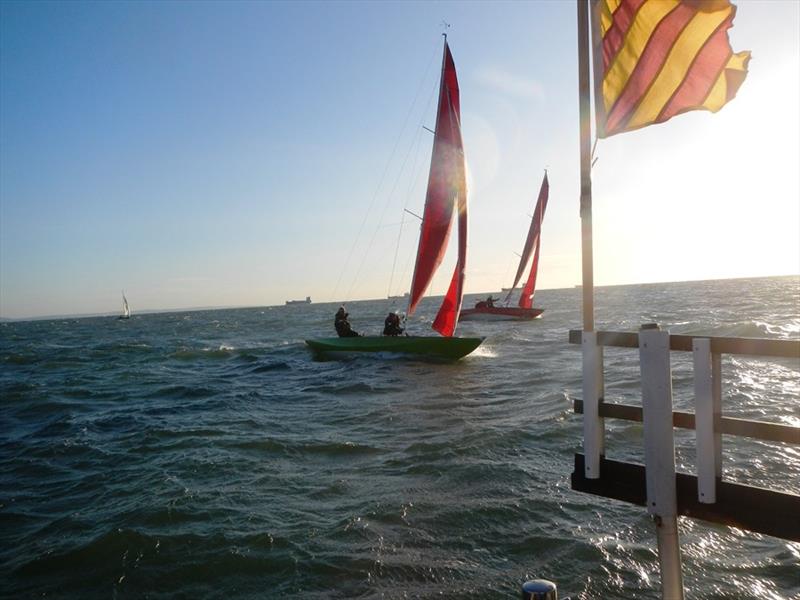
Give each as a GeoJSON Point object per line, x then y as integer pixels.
{"type": "Point", "coordinates": [208, 454]}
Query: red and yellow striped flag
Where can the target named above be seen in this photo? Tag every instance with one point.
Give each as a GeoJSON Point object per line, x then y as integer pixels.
{"type": "Point", "coordinates": [655, 59]}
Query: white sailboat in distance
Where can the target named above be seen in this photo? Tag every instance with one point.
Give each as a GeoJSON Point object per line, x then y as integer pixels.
{"type": "Point", "coordinates": [126, 311]}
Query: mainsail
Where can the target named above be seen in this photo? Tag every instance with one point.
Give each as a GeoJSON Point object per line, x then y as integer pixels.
{"type": "Point", "coordinates": [532, 243]}
{"type": "Point", "coordinates": [447, 190]}
{"type": "Point", "coordinates": [126, 311]}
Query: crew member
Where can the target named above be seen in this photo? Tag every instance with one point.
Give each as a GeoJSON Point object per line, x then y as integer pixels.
{"type": "Point", "coordinates": [391, 325]}
{"type": "Point", "coordinates": [342, 324]}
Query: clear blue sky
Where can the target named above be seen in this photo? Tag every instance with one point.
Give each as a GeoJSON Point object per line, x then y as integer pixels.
{"type": "Point", "coordinates": [227, 154]}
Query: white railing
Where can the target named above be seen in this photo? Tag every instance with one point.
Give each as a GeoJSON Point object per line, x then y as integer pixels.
{"type": "Point", "coordinates": [658, 486]}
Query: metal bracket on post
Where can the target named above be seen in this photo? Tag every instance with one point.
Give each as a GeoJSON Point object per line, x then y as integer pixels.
{"type": "Point", "coordinates": [659, 449]}
{"type": "Point", "coordinates": [707, 413]}
{"type": "Point", "coordinates": [593, 423]}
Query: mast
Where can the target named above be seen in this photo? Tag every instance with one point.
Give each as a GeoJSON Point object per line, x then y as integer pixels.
{"type": "Point", "coordinates": [586, 167]}
{"type": "Point", "coordinates": [412, 302]}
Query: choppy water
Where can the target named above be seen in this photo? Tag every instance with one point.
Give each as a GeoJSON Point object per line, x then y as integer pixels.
{"type": "Point", "coordinates": [206, 455]}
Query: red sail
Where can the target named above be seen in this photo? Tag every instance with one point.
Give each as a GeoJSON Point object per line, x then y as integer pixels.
{"type": "Point", "coordinates": [526, 297]}
{"type": "Point", "coordinates": [447, 189]}
{"type": "Point", "coordinates": [532, 244]}
{"type": "Point", "coordinates": [447, 317]}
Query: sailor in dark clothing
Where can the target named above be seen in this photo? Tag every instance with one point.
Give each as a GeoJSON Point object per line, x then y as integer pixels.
{"type": "Point", "coordinates": [342, 324]}
{"type": "Point", "coordinates": [488, 303]}
{"type": "Point", "coordinates": [391, 325]}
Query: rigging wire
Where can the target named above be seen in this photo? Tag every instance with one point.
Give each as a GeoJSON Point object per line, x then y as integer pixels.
{"type": "Point", "coordinates": [412, 185]}
{"type": "Point", "coordinates": [505, 278]}
{"type": "Point", "coordinates": [380, 181]}
{"type": "Point", "coordinates": [394, 259]}
{"type": "Point", "coordinates": [392, 191]}
{"type": "Point", "coordinates": [414, 178]}
{"type": "Point", "coordinates": [380, 221]}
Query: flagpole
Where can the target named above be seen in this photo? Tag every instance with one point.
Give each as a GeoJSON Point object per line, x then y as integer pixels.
{"type": "Point", "coordinates": [586, 174]}
{"type": "Point", "coordinates": [593, 430]}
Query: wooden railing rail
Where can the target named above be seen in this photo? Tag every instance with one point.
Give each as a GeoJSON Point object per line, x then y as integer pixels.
{"type": "Point", "coordinates": [760, 430]}
{"type": "Point", "coordinates": [719, 344]}
{"type": "Point", "coordinates": [665, 492]}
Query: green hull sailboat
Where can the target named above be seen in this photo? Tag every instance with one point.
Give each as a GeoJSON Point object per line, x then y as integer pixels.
{"type": "Point", "coordinates": [450, 348]}
{"type": "Point", "coordinates": [446, 195]}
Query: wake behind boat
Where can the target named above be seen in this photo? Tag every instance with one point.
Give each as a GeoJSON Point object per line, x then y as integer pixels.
{"type": "Point", "coordinates": [447, 193]}
{"type": "Point", "coordinates": [486, 310]}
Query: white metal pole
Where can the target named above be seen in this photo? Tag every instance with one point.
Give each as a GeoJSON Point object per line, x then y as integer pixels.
{"type": "Point", "coordinates": [659, 448]}
{"type": "Point", "coordinates": [586, 166]}
{"type": "Point", "coordinates": [669, 557]}
{"type": "Point", "coordinates": [592, 353]}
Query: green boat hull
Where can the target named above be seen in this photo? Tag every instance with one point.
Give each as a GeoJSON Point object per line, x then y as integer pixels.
{"type": "Point", "coordinates": [451, 348]}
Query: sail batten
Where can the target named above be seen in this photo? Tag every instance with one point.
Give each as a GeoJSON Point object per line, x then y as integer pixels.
{"type": "Point", "coordinates": [447, 191]}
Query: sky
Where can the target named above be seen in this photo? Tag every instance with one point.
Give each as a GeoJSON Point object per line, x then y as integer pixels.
{"type": "Point", "coordinates": [199, 154]}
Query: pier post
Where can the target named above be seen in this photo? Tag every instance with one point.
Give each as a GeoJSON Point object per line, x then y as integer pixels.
{"type": "Point", "coordinates": [659, 448]}
{"type": "Point", "coordinates": [707, 411]}
{"type": "Point", "coordinates": [593, 423]}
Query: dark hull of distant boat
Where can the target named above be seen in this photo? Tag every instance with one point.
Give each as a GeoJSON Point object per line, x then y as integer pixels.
{"type": "Point", "coordinates": [449, 348]}
{"type": "Point", "coordinates": [123, 318]}
{"type": "Point", "coordinates": [290, 302]}
{"type": "Point", "coordinates": [500, 313]}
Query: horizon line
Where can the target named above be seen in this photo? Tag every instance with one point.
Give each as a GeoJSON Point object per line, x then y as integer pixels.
{"type": "Point", "coordinates": [150, 311]}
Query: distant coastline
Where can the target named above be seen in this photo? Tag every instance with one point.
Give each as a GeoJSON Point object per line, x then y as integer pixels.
{"type": "Point", "coordinates": [484, 293]}
{"type": "Point", "coordinates": [147, 311]}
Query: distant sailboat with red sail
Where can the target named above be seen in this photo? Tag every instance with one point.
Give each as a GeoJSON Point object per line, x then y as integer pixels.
{"type": "Point", "coordinates": [447, 192]}
{"type": "Point", "coordinates": [486, 310]}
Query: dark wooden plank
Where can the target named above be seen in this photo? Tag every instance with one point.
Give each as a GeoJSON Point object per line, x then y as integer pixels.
{"type": "Point", "coordinates": [760, 430]}
{"type": "Point", "coordinates": [720, 345]}
{"type": "Point", "coordinates": [738, 505]}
